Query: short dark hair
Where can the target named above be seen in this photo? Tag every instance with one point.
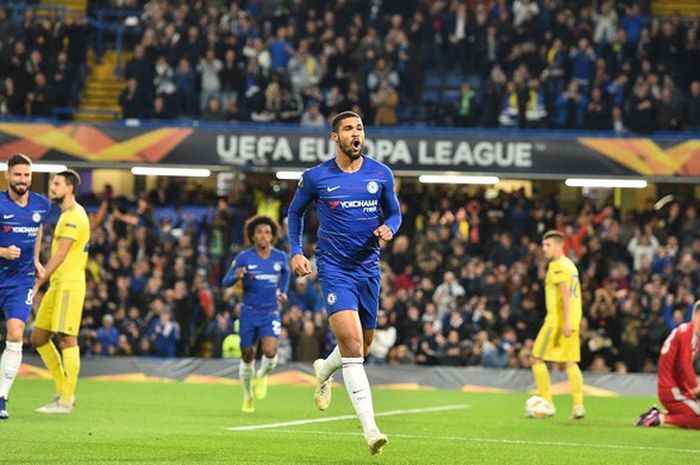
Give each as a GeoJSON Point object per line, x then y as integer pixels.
{"type": "Point", "coordinates": [72, 178]}
{"type": "Point", "coordinates": [337, 119]}
{"type": "Point", "coordinates": [554, 234]}
{"type": "Point", "coordinates": [18, 159]}
{"type": "Point", "coordinates": [255, 221]}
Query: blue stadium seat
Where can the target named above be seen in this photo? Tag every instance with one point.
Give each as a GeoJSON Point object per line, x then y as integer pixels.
{"type": "Point", "coordinates": [432, 80]}
{"type": "Point", "coordinates": [430, 95]}
{"type": "Point", "coordinates": [454, 80]}
{"type": "Point", "coordinates": [474, 81]}
{"type": "Point", "coordinates": [450, 95]}
{"type": "Point", "coordinates": [405, 112]}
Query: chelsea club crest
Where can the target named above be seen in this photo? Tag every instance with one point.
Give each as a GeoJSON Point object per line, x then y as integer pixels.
{"type": "Point", "coordinates": [331, 299]}
{"type": "Point", "coordinates": [372, 187]}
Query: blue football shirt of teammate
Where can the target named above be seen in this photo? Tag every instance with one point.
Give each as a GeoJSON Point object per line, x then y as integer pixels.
{"type": "Point", "coordinates": [19, 227]}
{"type": "Point", "coordinates": [21, 215]}
{"type": "Point", "coordinates": [263, 279]}
{"type": "Point", "coordinates": [263, 273]}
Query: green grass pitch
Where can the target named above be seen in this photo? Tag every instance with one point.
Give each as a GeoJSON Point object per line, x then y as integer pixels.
{"type": "Point", "coordinates": [125, 423]}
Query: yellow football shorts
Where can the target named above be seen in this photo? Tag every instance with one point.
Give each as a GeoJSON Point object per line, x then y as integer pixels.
{"type": "Point", "coordinates": [61, 311]}
{"type": "Point", "coordinates": [552, 346]}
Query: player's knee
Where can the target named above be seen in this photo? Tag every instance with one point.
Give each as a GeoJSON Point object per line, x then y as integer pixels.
{"type": "Point", "coordinates": [38, 339]}
{"type": "Point", "coordinates": [270, 353]}
{"type": "Point", "coordinates": [15, 333]}
{"type": "Point", "coordinates": [247, 355]}
{"type": "Point", "coordinates": [351, 349]}
{"type": "Point", "coordinates": [15, 336]}
{"type": "Point", "coordinates": [68, 341]}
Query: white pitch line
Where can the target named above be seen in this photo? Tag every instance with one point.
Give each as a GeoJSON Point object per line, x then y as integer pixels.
{"type": "Point", "coordinates": [347, 417]}
{"type": "Point", "coordinates": [521, 442]}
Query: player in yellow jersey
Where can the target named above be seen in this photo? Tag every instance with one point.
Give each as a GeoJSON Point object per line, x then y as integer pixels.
{"type": "Point", "coordinates": [61, 308]}
{"type": "Point", "coordinates": [558, 340]}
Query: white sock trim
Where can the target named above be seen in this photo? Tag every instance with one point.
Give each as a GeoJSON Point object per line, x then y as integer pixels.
{"type": "Point", "coordinates": [352, 361]}
{"type": "Point", "coordinates": [14, 346]}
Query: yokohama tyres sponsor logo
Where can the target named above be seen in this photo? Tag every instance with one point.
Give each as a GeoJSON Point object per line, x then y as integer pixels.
{"type": "Point", "coordinates": [364, 204]}
{"type": "Point", "coordinates": [31, 230]}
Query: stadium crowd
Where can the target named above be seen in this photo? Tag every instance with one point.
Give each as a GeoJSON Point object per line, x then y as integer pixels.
{"type": "Point", "coordinates": [536, 63]}
{"type": "Point", "coordinates": [600, 65]}
{"type": "Point", "coordinates": [43, 62]}
{"type": "Point", "coordinates": [462, 282]}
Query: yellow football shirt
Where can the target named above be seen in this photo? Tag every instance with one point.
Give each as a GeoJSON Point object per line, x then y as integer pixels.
{"type": "Point", "coordinates": [73, 223]}
{"type": "Point", "coordinates": [559, 271]}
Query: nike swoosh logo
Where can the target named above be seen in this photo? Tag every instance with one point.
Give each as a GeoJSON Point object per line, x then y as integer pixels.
{"type": "Point", "coordinates": [355, 392]}
{"type": "Point", "coordinates": [7, 217]}
{"type": "Point", "coordinates": [331, 189]}
{"type": "Point", "coordinates": [252, 267]}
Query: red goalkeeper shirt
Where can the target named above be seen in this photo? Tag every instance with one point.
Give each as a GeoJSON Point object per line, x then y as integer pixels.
{"type": "Point", "coordinates": [676, 360]}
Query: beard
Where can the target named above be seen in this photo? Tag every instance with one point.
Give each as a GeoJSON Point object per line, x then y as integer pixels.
{"type": "Point", "coordinates": [57, 199]}
{"type": "Point", "coordinates": [350, 151]}
{"type": "Point", "coordinates": [19, 189]}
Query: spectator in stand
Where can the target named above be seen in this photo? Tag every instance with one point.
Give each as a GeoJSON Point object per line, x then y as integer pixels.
{"type": "Point", "coordinates": [131, 100]}
{"type": "Point", "coordinates": [164, 335]}
{"type": "Point", "coordinates": [312, 117]}
{"type": "Point", "coordinates": [598, 116]}
{"type": "Point", "coordinates": [304, 69]}
{"type": "Point", "coordinates": [41, 98]}
{"type": "Point", "coordinates": [108, 336]}
{"type": "Point", "coordinates": [185, 88]}
{"type": "Point", "coordinates": [209, 68]}
{"type": "Point", "coordinates": [571, 107]}
{"type": "Point", "coordinates": [11, 100]}
{"type": "Point", "coordinates": [281, 50]}
{"type": "Point", "coordinates": [692, 116]}
{"type": "Point", "coordinates": [641, 109]}
{"type": "Point", "coordinates": [384, 339]}
{"type": "Point", "coordinates": [385, 100]}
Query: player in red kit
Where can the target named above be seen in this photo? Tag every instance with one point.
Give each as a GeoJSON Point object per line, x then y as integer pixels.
{"type": "Point", "coordinates": [678, 386]}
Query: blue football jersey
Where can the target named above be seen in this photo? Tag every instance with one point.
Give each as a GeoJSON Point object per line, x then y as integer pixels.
{"type": "Point", "coordinates": [262, 279]}
{"type": "Point", "coordinates": [351, 206]}
{"type": "Point", "coordinates": [19, 226]}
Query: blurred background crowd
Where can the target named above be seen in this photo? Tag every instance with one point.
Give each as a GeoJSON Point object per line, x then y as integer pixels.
{"type": "Point", "coordinates": [462, 282]}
